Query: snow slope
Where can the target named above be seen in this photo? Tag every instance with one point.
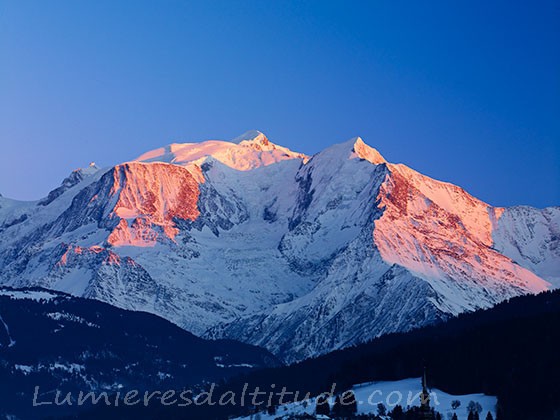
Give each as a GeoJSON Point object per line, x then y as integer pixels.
{"type": "Point", "coordinates": [405, 393]}
{"type": "Point", "coordinates": [530, 237]}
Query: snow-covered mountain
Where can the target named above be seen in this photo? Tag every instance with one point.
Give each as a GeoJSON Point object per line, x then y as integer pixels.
{"type": "Point", "coordinates": [251, 241]}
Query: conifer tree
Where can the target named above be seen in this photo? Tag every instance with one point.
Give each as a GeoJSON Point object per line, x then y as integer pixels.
{"type": "Point", "coordinates": [381, 410]}
{"type": "Point", "coordinates": [337, 407]}
{"type": "Point", "coordinates": [322, 405]}
{"type": "Point", "coordinates": [397, 413]}
{"type": "Point", "coordinates": [348, 403]}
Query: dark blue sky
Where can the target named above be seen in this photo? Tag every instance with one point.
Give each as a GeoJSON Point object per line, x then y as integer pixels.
{"type": "Point", "coordinates": [467, 92]}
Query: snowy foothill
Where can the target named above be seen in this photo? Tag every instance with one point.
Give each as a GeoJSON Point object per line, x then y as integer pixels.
{"type": "Point", "coordinates": [405, 393]}
{"type": "Point", "coordinates": [36, 295]}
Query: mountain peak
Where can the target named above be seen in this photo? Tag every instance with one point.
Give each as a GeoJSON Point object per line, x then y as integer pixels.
{"type": "Point", "coordinates": [249, 151]}
{"type": "Point", "coordinates": [252, 136]}
{"type": "Point", "coordinates": [89, 170]}
{"type": "Point", "coordinates": [364, 151]}
{"type": "Point", "coordinates": [75, 177]}
{"type": "Point", "coordinates": [359, 149]}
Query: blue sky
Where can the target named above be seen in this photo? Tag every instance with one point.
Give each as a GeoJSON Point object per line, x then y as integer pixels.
{"type": "Point", "coordinates": [467, 92]}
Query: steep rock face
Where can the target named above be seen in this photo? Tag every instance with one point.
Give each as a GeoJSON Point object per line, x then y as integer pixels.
{"type": "Point", "coordinates": [249, 240]}
{"type": "Point", "coordinates": [126, 280]}
{"type": "Point", "coordinates": [151, 195]}
{"type": "Point", "coordinates": [443, 235]}
{"type": "Point", "coordinates": [137, 202]}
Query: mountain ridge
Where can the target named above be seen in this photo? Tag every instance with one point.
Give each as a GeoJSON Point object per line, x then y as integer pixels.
{"type": "Point", "coordinates": [56, 341]}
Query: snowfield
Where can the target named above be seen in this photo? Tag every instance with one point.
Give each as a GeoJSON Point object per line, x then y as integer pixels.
{"type": "Point", "coordinates": [405, 393]}
{"type": "Point", "coordinates": [36, 295]}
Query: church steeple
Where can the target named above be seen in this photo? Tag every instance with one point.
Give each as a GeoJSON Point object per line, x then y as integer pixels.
{"type": "Point", "coordinates": [425, 411]}
{"type": "Point", "coordinates": [425, 399]}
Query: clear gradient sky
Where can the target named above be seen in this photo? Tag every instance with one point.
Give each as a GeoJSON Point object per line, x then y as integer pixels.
{"type": "Point", "coordinates": [467, 92]}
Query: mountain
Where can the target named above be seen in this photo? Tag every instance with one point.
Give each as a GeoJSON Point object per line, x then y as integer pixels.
{"type": "Point", "coordinates": [252, 241]}
{"type": "Point", "coordinates": [60, 342]}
